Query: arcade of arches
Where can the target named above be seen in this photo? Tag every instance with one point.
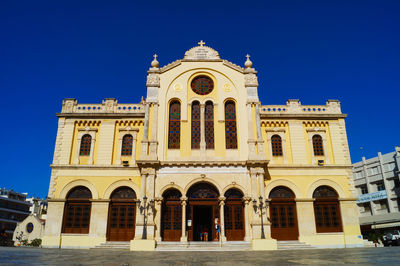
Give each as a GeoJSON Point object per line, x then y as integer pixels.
{"type": "Point", "coordinates": [202, 210]}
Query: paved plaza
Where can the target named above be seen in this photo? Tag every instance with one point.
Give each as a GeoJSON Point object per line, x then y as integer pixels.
{"type": "Point", "coordinates": [360, 256]}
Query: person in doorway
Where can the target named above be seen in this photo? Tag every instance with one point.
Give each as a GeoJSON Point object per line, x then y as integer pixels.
{"type": "Point", "coordinates": [217, 226]}
{"type": "Point", "coordinates": [205, 234]}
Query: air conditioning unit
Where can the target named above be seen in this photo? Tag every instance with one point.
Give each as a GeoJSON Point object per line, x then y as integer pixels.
{"type": "Point", "coordinates": [125, 163]}
{"type": "Point", "coordinates": [321, 162]}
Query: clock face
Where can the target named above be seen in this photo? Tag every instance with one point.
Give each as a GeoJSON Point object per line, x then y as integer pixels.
{"type": "Point", "coordinates": [202, 85]}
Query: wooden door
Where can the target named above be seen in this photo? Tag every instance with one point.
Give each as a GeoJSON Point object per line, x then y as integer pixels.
{"type": "Point", "coordinates": [121, 221]}
{"type": "Point", "coordinates": [284, 220]}
{"type": "Point", "coordinates": [171, 221]}
{"type": "Point", "coordinates": [234, 221]}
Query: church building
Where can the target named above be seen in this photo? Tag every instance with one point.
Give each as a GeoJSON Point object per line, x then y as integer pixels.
{"type": "Point", "coordinates": [201, 159]}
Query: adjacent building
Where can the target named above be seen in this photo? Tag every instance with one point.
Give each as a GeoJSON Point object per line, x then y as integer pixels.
{"type": "Point", "coordinates": [378, 188]}
{"type": "Point", "coordinates": [199, 152]}
{"type": "Point", "coordinates": [13, 209]}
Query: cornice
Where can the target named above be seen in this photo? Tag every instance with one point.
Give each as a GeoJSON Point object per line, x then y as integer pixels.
{"type": "Point", "coordinates": [338, 166]}
{"type": "Point", "coordinates": [304, 116]}
{"type": "Point", "coordinates": [203, 163]}
{"type": "Point", "coordinates": [98, 167]}
{"type": "Point", "coordinates": [99, 115]}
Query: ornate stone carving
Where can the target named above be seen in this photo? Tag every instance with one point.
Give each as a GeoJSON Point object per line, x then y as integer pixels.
{"type": "Point", "coordinates": [251, 80]}
{"type": "Point", "coordinates": [201, 52]}
{"type": "Point", "coordinates": [153, 80]}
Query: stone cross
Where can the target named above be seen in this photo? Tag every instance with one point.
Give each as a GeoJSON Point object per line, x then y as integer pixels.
{"type": "Point", "coordinates": [155, 56]}
{"type": "Point", "coordinates": [201, 43]}
{"type": "Point", "coordinates": [247, 56]}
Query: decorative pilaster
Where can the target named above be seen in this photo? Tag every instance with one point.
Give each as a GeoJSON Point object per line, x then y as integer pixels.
{"type": "Point", "coordinates": [222, 218]}
{"type": "Point", "coordinates": [157, 218]}
{"type": "Point", "coordinates": [247, 201]}
{"type": "Point", "coordinates": [184, 203]}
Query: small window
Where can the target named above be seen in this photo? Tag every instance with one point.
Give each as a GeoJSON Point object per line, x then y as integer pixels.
{"type": "Point", "coordinates": [380, 186]}
{"type": "Point", "coordinates": [127, 141]}
{"type": "Point", "coordinates": [86, 142]}
{"type": "Point", "coordinates": [174, 132]}
{"type": "Point", "coordinates": [29, 227]}
{"type": "Point", "coordinates": [364, 190]}
{"type": "Point", "coordinates": [318, 145]}
{"type": "Point", "coordinates": [276, 143]}
{"type": "Point", "coordinates": [196, 125]}
{"type": "Point", "coordinates": [230, 125]}
{"type": "Point", "coordinates": [374, 170]}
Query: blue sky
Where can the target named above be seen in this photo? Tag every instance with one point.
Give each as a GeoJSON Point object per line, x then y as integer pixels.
{"type": "Point", "coordinates": [91, 50]}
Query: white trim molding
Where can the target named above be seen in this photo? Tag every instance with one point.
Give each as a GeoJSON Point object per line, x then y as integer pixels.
{"type": "Point", "coordinates": [281, 132]}
{"type": "Point", "coordinates": [322, 132]}
{"type": "Point", "coordinates": [127, 131]}
{"type": "Point", "coordinates": [81, 132]}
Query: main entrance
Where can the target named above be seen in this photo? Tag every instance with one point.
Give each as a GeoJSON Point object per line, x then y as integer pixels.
{"type": "Point", "coordinates": [202, 212]}
{"type": "Point", "coordinates": [121, 215]}
{"type": "Point", "coordinates": [283, 214]}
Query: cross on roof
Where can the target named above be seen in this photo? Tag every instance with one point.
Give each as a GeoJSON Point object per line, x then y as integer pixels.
{"type": "Point", "coordinates": [155, 56]}
{"type": "Point", "coordinates": [201, 43]}
{"type": "Point", "coordinates": [247, 56]}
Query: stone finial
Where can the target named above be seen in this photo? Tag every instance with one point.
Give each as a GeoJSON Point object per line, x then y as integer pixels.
{"type": "Point", "coordinates": [155, 63]}
{"type": "Point", "coordinates": [201, 43]}
{"type": "Point", "coordinates": [248, 63]}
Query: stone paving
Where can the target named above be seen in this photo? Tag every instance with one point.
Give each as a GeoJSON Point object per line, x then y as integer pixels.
{"type": "Point", "coordinates": [360, 256]}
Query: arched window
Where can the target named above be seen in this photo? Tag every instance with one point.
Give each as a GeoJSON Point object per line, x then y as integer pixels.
{"type": "Point", "coordinates": [327, 210]}
{"type": "Point", "coordinates": [86, 142]}
{"type": "Point", "coordinates": [230, 125]}
{"type": "Point", "coordinates": [174, 132]}
{"type": "Point", "coordinates": [209, 125]}
{"type": "Point", "coordinates": [276, 143]}
{"type": "Point", "coordinates": [195, 125]}
{"type": "Point", "coordinates": [126, 149]}
{"type": "Point", "coordinates": [318, 145]}
{"type": "Point", "coordinates": [77, 211]}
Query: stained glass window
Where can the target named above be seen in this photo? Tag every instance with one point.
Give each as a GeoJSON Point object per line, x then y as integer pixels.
{"type": "Point", "coordinates": [209, 125]}
{"type": "Point", "coordinates": [202, 191]}
{"type": "Point", "coordinates": [127, 141]}
{"type": "Point", "coordinates": [317, 145]}
{"type": "Point", "coordinates": [230, 125]}
{"type": "Point", "coordinates": [327, 210]}
{"type": "Point", "coordinates": [281, 192]}
{"type": "Point", "coordinates": [276, 143]}
{"type": "Point", "coordinates": [123, 193]}
{"type": "Point", "coordinates": [174, 130]}
{"type": "Point", "coordinates": [86, 142]}
{"type": "Point", "coordinates": [202, 85]}
{"type": "Point", "coordinates": [195, 125]}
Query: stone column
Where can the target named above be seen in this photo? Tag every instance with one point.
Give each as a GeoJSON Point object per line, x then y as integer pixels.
{"type": "Point", "coordinates": [150, 196]}
{"type": "Point", "coordinates": [247, 201]}
{"type": "Point", "coordinates": [222, 217]}
{"type": "Point", "coordinates": [262, 185]}
{"type": "Point", "coordinates": [153, 142]}
{"type": "Point", "coordinates": [183, 203]}
{"type": "Point", "coordinates": [202, 129]}
{"type": "Point", "coordinates": [158, 204]}
{"type": "Point", "coordinates": [145, 140]}
{"type": "Point", "coordinates": [350, 223]}
{"type": "Point", "coordinates": [99, 220]}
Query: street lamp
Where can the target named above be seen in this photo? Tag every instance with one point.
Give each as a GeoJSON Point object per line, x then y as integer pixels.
{"type": "Point", "coordinates": [260, 207]}
{"type": "Point", "coordinates": [144, 209]}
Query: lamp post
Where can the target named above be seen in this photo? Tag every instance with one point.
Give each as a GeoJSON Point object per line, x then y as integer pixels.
{"type": "Point", "coordinates": [260, 206]}
{"type": "Point", "coordinates": [144, 209]}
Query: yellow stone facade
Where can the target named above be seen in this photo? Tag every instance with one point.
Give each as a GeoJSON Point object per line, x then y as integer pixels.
{"type": "Point", "coordinates": [153, 169]}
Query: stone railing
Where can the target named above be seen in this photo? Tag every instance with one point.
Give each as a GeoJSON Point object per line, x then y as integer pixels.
{"type": "Point", "coordinates": [295, 107]}
{"type": "Point", "coordinates": [108, 105]}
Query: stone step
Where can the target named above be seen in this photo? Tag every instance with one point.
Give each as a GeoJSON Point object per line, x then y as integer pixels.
{"type": "Point", "coordinates": [204, 246]}
{"type": "Point", "coordinates": [370, 244]}
{"type": "Point", "coordinates": [287, 245]}
{"type": "Point", "coordinates": [114, 245]}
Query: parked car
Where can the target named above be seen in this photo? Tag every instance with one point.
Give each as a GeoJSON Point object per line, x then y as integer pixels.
{"type": "Point", "coordinates": [391, 238]}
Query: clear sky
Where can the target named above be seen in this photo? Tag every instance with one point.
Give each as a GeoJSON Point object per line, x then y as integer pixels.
{"type": "Point", "coordinates": [91, 50]}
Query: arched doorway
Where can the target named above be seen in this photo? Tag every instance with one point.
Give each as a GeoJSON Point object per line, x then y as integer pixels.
{"type": "Point", "coordinates": [234, 215]}
{"type": "Point", "coordinates": [77, 211]}
{"type": "Point", "coordinates": [283, 214]}
{"type": "Point", "coordinates": [327, 210]}
{"type": "Point", "coordinates": [122, 215]}
{"type": "Point", "coordinates": [202, 210]}
{"type": "Point", "coordinates": [171, 215]}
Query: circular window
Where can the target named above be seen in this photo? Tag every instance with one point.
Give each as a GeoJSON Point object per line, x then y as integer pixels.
{"type": "Point", "coordinates": [29, 227]}
{"type": "Point", "coordinates": [202, 85]}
